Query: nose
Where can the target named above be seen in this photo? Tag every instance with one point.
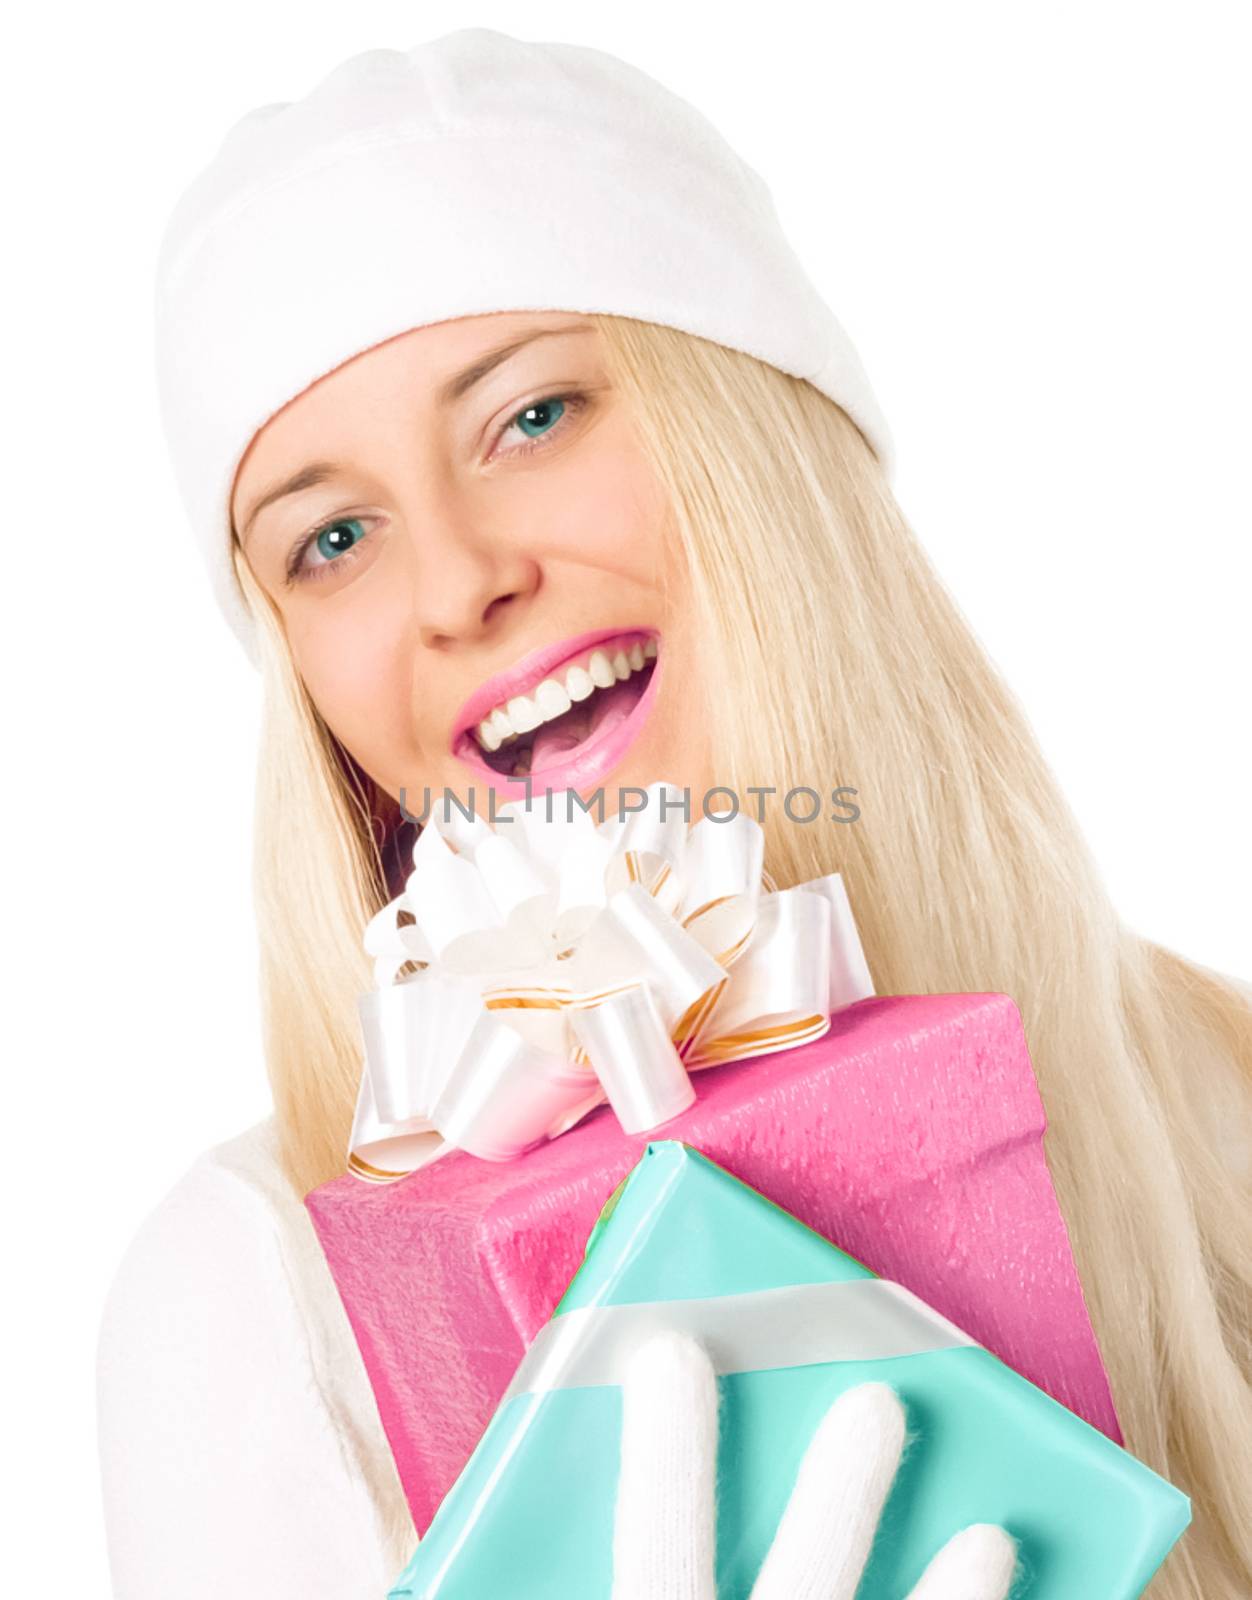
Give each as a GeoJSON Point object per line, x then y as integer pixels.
{"type": "Point", "coordinates": [468, 578]}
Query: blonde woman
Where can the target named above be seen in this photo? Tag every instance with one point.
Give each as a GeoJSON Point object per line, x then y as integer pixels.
{"type": "Point", "coordinates": [483, 360]}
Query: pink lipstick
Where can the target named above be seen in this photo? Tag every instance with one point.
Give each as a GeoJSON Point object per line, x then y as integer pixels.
{"type": "Point", "coordinates": [564, 716]}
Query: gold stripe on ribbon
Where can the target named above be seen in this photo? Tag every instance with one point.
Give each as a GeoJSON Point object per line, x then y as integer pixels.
{"type": "Point", "coordinates": [371, 1174]}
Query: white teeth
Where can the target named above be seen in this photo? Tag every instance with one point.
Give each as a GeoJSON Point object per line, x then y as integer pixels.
{"type": "Point", "coordinates": [579, 682]}
{"type": "Point", "coordinates": [553, 696]}
{"type": "Point", "coordinates": [551, 699]}
{"type": "Point", "coordinates": [601, 670]}
{"type": "Point", "coordinates": [523, 714]}
{"type": "Point", "coordinates": [496, 729]}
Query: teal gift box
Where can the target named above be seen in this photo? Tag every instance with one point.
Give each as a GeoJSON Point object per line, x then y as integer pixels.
{"type": "Point", "coordinates": [790, 1321]}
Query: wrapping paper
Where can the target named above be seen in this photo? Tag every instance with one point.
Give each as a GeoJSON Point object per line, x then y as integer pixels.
{"type": "Point", "coordinates": [910, 1134]}
{"type": "Point", "coordinates": [532, 1515]}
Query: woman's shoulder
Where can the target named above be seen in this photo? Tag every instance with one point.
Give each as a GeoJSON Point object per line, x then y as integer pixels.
{"type": "Point", "coordinates": [220, 1281]}
{"type": "Point", "coordinates": [228, 1378]}
{"type": "Point", "coordinates": [245, 1168]}
{"type": "Point", "coordinates": [228, 1259]}
{"type": "Point", "coordinates": [227, 1213]}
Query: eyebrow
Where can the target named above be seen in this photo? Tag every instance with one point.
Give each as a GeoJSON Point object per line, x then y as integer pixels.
{"type": "Point", "coordinates": [450, 391]}
{"type": "Point", "coordinates": [459, 385]}
{"type": "Point", "coordinates": [310, 477]}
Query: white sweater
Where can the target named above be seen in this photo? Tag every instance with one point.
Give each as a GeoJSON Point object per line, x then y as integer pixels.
{"type": "Point", "coordinates": [241, 1449]}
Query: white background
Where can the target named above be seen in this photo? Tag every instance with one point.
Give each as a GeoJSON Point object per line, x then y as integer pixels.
{"type": "Point", "coordinates": [1033, 223]}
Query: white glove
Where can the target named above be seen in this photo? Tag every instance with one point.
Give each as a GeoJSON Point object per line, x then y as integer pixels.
{"type": "Point", "coordinates": [663, 1542]}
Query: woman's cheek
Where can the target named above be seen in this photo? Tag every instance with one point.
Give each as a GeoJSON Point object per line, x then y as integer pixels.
{"type": "Point", "coordinates": [609, 507]}
{"type": "Point", "coordinates": [354, 667]}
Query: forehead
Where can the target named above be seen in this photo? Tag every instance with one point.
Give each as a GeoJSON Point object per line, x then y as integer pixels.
{"type": "Point", "coordinates": [421, 361]}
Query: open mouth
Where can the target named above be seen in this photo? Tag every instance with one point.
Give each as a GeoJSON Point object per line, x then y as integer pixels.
{"type": "Point", "coordinates": [579, 704]}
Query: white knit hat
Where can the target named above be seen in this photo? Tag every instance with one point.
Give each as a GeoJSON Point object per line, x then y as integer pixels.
{"type": "Point", "coordinates": [473, 173]}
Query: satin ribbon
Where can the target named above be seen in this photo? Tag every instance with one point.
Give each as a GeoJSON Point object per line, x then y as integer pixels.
{"type": "Point", "coordinates": [805, 1324]}
{"type": "Point", "coordinates": [559, 963]}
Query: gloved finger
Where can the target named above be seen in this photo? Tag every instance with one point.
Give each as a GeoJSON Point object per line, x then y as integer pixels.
{"type": "Point", "coordinates": [975, 1564]}
{"type": "Point", "coordinates": [664, 1528]}
{"type": "Point", "coordinates": [824, 1537]}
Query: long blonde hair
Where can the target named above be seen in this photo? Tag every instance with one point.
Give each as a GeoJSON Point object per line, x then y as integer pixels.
{"type": "Point", "coordinates": [842, 658]}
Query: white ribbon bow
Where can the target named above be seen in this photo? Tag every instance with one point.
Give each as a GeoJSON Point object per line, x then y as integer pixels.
{"type": "Point", "coordinates": [562, 963]}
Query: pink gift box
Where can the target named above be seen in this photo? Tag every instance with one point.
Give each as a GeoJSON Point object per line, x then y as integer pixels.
{"type": "Point", "coordinates": [910, 1135]}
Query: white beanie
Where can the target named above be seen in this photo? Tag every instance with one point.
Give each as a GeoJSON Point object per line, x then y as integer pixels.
{"type": "Point", "coordinates": [473, 173]}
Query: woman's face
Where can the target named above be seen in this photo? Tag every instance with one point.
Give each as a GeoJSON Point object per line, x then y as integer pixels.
{"type": "Point", "coordinates": [469, 553]}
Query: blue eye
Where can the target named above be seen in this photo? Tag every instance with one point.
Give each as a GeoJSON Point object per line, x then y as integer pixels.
{"type": "Point", "coordinates": [333, 531]}
{"type": "Point", "coordinates": [543, 419]}
{"type": "Point", "coordinates": [541, 416]}
{"type": "Point", "coordinates": [333, 541]}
